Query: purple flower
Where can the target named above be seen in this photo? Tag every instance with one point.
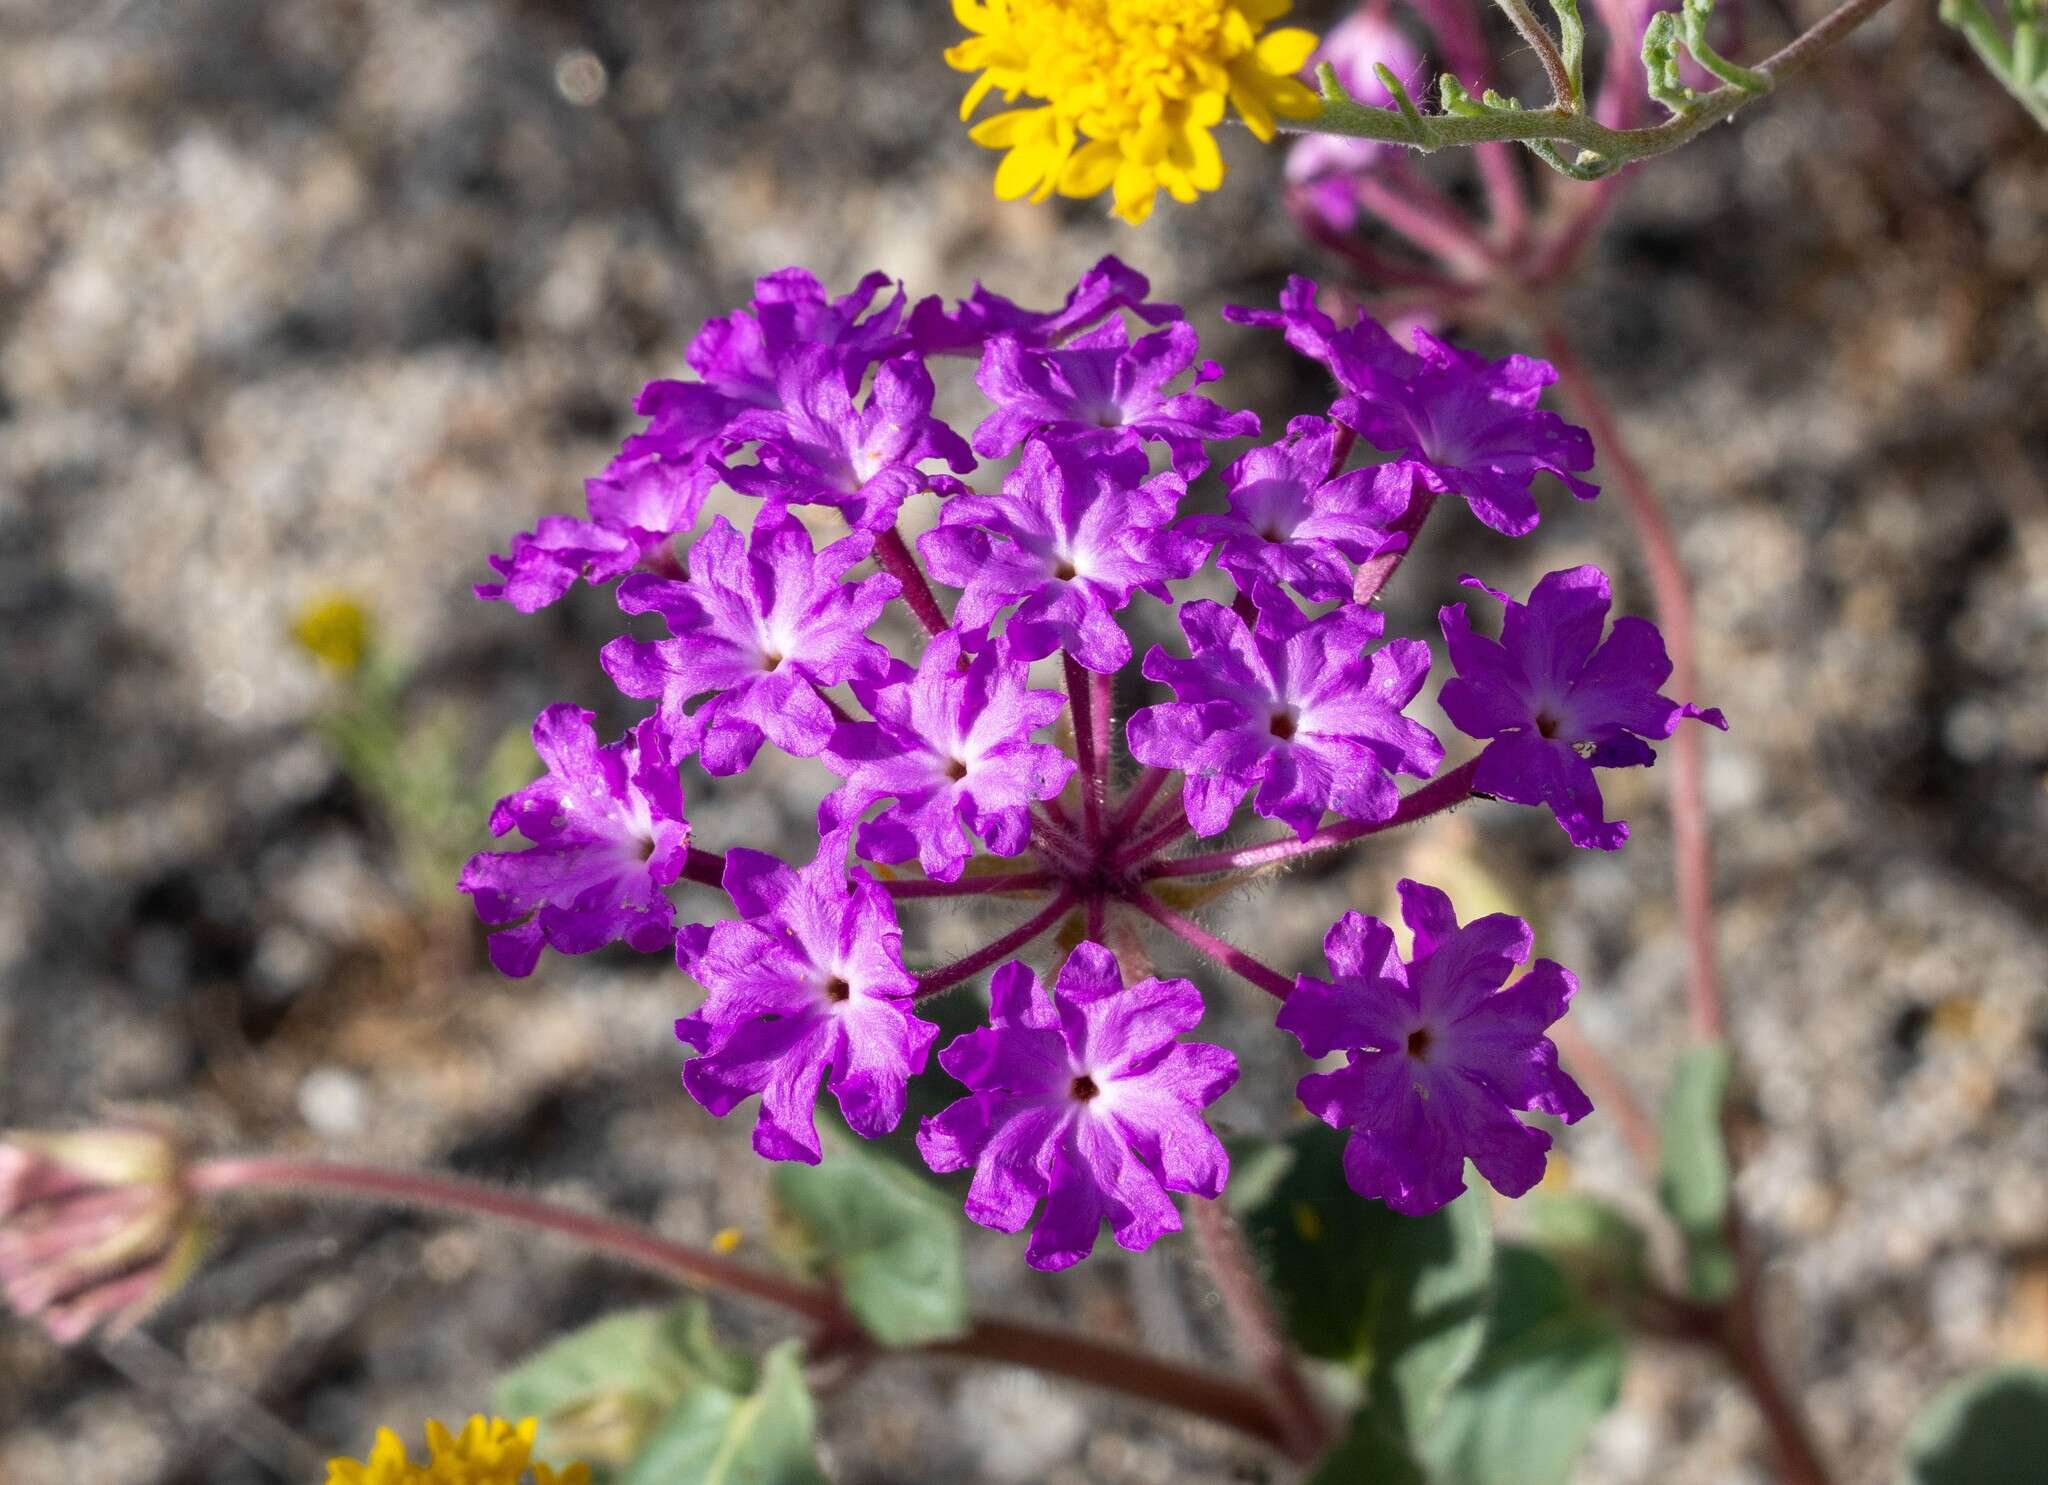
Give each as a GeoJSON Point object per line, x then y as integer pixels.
{"type": "Point", "coordinates": [1085, 1099]}
{"type": "Point", "coordinates": [740, 355]}
{"type": "Point", "coordinates": [818, 449]}
{"type": "Point", "coordinates": [1290, 708]}
{"type": "Point", "coordinates": [1071, 537]}
{"type": "Point", "coordinates": [1103, 290]}
{"type": "Point", "coordinates": [1439, 1054]}
{"type": "Point", "coordinates": [644, 499]}
{"type": "Point", "coordinates": [1103, 388]}
{"type": "Point", "coordinates": [1557, 702]}
{"type": "Point", "coordinates": [1354, 355]}
{"type": "Point", "coordinates": [761, 624]}
{"type": "Point", "coordinates": [1471, 427]}
{"type": "Point", "coordinates": [653, 490]}
{"type": "Point", "coordinates": [951, 744]}
{"type": "Point", "coordinates": [808, 987]}
{"type": "Point", "coordinates": [1291, 522]}
{"type": "Point", "coordinates": [1326, 163]}
{"type": "Point", "coordinates": [608, 835]}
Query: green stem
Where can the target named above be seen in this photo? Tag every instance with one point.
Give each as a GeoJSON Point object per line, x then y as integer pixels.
{"type": "Point", "coordinates": [1606, 149]}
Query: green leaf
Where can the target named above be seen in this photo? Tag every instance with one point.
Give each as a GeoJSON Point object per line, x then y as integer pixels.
{"type": "Point", "coordinates": [1551, 1366]}
{"type": "Point", "coordinates": [1693, 1177]}
{"type": "Point", "coordinates": [713, 1437]}
{"type": "Point", "coordinates": [1368, 1455]}
{"type": "Point", "coordinates": [891, 1242]}
{"type": "Point", "coordinates": [598, 1391]}
{"type": "Point", "coordinates": [1988, 1429]}
{"type": "Point", "coordinates": [1401, 1299]}
{"type": "Point", "coordinates": [1600, 1246]}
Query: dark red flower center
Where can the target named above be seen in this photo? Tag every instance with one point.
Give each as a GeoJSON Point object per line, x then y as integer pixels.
{"type": "Point", "coordinates": [1083, 1088]}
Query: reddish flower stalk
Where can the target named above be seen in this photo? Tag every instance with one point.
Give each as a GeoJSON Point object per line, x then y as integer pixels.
{"type": "Point", "coordinates": [1232, 958]}
{"type": "Point", "coordinates": [892, 555]}
{"type": "Point", "coordinates": [952, 974]}
{"type": "Point", "coordinates": [1062, 1353]}
{"type": "Point", "coordinates": [1443, 793]}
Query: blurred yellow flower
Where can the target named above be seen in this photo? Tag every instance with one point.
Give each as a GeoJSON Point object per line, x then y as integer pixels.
{"type": "Point", "coordinates": [1128, 91]}
{"type": "Point", "coordinates": [335, 631]}
{"type": "Point", "coordinates": [488, 1451]}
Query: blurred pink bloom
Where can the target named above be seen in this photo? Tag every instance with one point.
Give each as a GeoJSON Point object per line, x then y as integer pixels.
{"type": "Point", "coordinates": [1326, 163]}
{"type": "Point", "coordinates": [95, 1227]}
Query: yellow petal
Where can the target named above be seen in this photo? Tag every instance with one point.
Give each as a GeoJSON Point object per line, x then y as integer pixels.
{"type": "Point", "coordinates": [1004, 130]}
{"type": "Point", "coordinates": [1021, 171]}
{"type": "Point", "coordinates": [1136, 187]}
{"type": "Point", "coordinates": [1091, 170]}
{"type": "Point", "coordinates": [1251, 107]}
{"type": "Point", "coordinates": [1286, 52]}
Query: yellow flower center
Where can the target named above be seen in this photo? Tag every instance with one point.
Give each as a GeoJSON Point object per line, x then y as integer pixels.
{"type": "Point", "coordinates": [488, 1451]}
{"type": "Point", "coordinates": [1128, 91]}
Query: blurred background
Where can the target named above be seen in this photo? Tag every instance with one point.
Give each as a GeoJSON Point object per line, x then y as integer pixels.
{"type": "Point", "coordinates": [320, 300]}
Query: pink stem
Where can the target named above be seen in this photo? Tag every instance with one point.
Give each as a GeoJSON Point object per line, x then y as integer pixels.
{"type": "Point", "coordinates": [894, 557]}
{"type": "Point", "coordinates": [1154, 835]}
{"type": "Point", "coordinates": [1442, 236]}
{"type": "Point", "coordinates": [622, 1240]}
{"type": "Point", "coordinates": [1692, 863]}
{"type": "Point", "coordinates": [1141, 796]}
{"type": "Point", "coordinates": [947, 976]}
{"type": "Point", "coordinates": [1221, 1244]}
{"type": "Point", "coordinates": [1340, 450]}
{"type": "Point", "coordinates": [1441, 793]}
{"type": "Point", "coordinates": [1022, 881]}
{"type": "Point", "coordinates": [1080, 695]}
{"type": "Point", "coordinates": [1374, 575]}
{"type": "Point", "coordinates": [706, 868]}
{"type": "Point", "coordinates": [1367, 261]}
{"type": "Point", "coordinates": [1071, 1354]}
{"type": "Point", "coordinates": [1226, 954]}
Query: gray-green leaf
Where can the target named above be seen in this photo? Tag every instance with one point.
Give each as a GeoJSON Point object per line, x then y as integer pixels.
{"type": "Point", "coordinates": [716, 1438]}
{"type": "Point", "coordinates": [1693, 1177]}
{"type": "Point", "coordinates": [1551, 1366]}
{"type": "Point", "coordinates": [890, 1241]}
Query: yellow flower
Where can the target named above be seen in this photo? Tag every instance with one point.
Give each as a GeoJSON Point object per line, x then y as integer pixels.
{"type": "Point", "coordinates": [488, 1451]}
{"type": "Point", "coordinates": [335, 631]}
{"type": "Point", "coordinates": [1127, 91]}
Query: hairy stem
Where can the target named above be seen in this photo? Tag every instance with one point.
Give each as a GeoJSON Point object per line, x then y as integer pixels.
{"type": "Point", "coordinates": [892, 554]}
{"type": "Point", "coordinates": [1531, 30]}
{"type": "Point", "coordinates": [1020, 881]}
{"type": "Point", "coordinates": [1227, 954]}
{"type": "Point", "coordinates": [1692, 865]}
{"type": "Point", "coordinates": [1439, 794]}
{"type": "Point", "coordinates": [1375, 573]}
{"type": "Point", "coordinates": [1081, 697]}
{"type": "Point", "coordinates": [1076, 1356]}
{"type": "Point", "coordinates": [1260, 1338]}
{"type": "Point", "coordinates": [1141, 796]}
{"type": "Point", "coordinates": [1606, 149]}
{"type": "Point", "coordinates": [952, 974]}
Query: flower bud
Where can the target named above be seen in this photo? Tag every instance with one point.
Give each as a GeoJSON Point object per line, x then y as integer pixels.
{"type": "Point", "coordinates": [96, 1227]}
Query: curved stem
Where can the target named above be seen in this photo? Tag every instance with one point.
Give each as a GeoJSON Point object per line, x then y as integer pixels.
{"type": "Point", "coordinates": [623, 1240]}
{"type": "Point", "coordinates": [892, 554]}
{"type": "Point", "coordinates": [1441, 793]}
{"type": "Point", "coordinates": [1078, 1357]}
{"type": "Point", "coordinates": [1562, 92]}
{"type": "Point", "coordinates": [1227, 954]}
{"type": "Point", "coordinates": [1610, 148]}
{"type": "Point", "coordinates": [1417, 213]}
{"type": "Point", "coordinates": [1020, 881]}
{"type": "Point", "coordinates": [952, 974]}
{"type": "Point", "coordinates": [1609, 1089]}
{"type": "Point", "coordinates": [1692, 865]}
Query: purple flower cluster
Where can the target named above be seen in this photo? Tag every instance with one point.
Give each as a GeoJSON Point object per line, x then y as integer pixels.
{"type": "Point", "coordinates": [913, 683]}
